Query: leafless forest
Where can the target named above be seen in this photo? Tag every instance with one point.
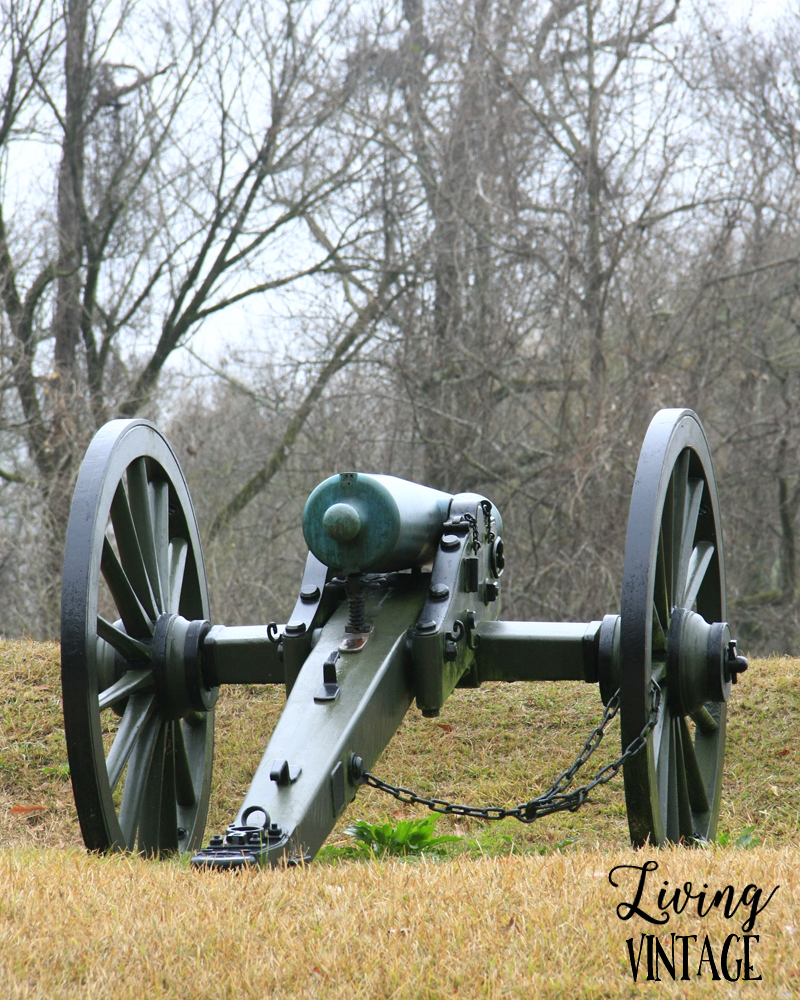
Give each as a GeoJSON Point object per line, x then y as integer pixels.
{"type": "Point", "coordinates": [474, 244]}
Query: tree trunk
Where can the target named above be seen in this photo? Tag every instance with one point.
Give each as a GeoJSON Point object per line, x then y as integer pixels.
{"type": "Point", "coordinates": [595, 279]}
{"type": "Point", "coordinates": [63, 436]}
{"type": "Point", "coordinates": [70, 195]}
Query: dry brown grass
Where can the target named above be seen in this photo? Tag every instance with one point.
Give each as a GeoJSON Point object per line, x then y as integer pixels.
{"type": "Point", "coordinates": [529, 927]}
{"type": "Point", "coordinates": [503, 924]}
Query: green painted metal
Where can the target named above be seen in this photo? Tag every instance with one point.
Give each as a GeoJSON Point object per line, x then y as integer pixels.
{"type": "Point", "coordinates": [537, 651]}
{"type": "Point", "coordinates": [698, 667]}
{"type": "Point", "coordinates": [319, 738]}
{"type": "Point", "coordinates": [456, 604]}
{"type": "Point", "coordinates": [242, 654]}
{"type": "Point", "coordinates": [361, 523]}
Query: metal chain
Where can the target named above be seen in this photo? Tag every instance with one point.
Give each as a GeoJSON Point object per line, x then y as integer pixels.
{"type": "Point", "coordinates": [556, 798]}
{"type": "Point", "coordinates": [486, 507]}
{"type": "Point", "coordinates": [473, 523]}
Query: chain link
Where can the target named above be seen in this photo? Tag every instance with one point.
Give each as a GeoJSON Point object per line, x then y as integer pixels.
{"type": "Point", "coordinates": [486, 507]}
{"type": "Point", "coordinates": [556, 798]}
{"type": "Point", "coordinates": [476, 539]}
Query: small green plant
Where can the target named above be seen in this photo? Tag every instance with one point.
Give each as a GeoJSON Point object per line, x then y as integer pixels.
{"type": "Point", "coordinates": [408, 838]}
{"type": "Point", "coordinates": [746, 839]}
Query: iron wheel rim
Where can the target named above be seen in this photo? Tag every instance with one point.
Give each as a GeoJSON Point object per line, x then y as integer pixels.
{"type": "Point", "coordinates": [161, 766]}
{"type": "Point", "coordinates": [673, 558]}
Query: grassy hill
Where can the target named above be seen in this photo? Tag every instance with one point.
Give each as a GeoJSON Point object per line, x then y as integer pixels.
{"type": "Point", "coordinates": [496, 745]}
{"type": "Point", "coordinates": [516, 911]}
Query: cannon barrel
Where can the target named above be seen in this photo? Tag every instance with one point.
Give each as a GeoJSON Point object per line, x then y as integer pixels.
{"type": "Point", "coordinates": [356, 522]}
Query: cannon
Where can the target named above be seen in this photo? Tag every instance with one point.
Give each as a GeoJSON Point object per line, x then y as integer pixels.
{"type": "Point", "coordinates": [398, 603]}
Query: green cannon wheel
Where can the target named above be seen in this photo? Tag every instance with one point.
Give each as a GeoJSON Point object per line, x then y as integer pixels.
{"type": "Point", "coordinates": [140, 748]}
{"type": "Point", "coordinates": [673, 560]}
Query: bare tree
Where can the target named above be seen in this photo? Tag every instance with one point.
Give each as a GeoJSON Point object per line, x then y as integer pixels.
{"type": "Point", "coordinates": [185, 184]}
{"type": "Point", "coordinates": [755, 297]}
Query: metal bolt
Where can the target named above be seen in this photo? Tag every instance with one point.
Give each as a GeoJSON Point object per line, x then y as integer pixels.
{"type": "Point", "coordinates": [182, 833]}
{"type": "Point", "coordinates": [295, 628]}
{"type": "Point", "coordinates": [439, 592]}
{"type": "Point", "coordinates": [491, 591]}
{"type": "Point", "coordinates": [356, 768]}
{"type": "Point", "coordinates": [450, 650]}
{"type": "Point", "coordinates": [309, 594]}
{"type": "Point", "coordinates": [426, 626]}
{"type": "Point", "coordinates": [450, 542]}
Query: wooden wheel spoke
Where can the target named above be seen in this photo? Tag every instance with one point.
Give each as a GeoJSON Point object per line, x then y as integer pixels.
{"type": "Point", "coordinates": [133, 681]}
{"type": "Point", "coordinates": [140, 499]}
{"type": "Point", "coordinates": [130, 553]}
{"type": "Point", "coordinates": [136, 778]}
{"type": "Point", "coordinates": [680, 484]}
{"type": "Point", "coordinates": [161, 534]}
{"type": "Point", "coordinates": [673, 798]}
{"type": "Point", "coordinates": [684, 808]}
{"type": "Point", "coordinates": [659, 639]}
{"type": "Point", "coordinates": [704, 721]}
{"type": "Point", "coordinates": [168, 826]}
{"type": "Point", "coordinates": [694, 496]}
{"type": "Point", "coordinates": [659, 673]}
{"type": "Point", "coordinates": [178, 551]}
{"type": "Point", "coordinates": [659, 728]}
{"type": "Point", "coordinates": [694, 779]}
{"type": "Point", "coordinates": [138, 713]}
{"type": "Point", "coordinates": [184, 786]}
{"type": "Point", "coordinates": [153, 793]}
{"type": "Point", "coordinates": [125, 645]}
{"type": "Point", "coordinates": [700, 560]}
{"type": "Point", "coordinates": [661, 596]}
{"type": "Point", "coordinates": [134, 617]}
{"type": "Point", "coordinates": [665, 753]}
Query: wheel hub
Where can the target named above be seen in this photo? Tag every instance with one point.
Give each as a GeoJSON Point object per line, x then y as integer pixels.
{"type": "Point", "coordinates": [180, 683]}
{"type": "Point", "coordinates": [702, 661]}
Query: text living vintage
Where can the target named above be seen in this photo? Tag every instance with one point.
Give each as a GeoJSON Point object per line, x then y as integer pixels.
{"type": "Point", "coordinates": [685, 956]}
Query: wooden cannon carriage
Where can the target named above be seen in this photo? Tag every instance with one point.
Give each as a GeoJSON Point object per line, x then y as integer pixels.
{"type": "Point", "coordinates": [398, 602]}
